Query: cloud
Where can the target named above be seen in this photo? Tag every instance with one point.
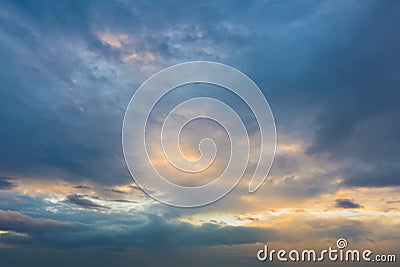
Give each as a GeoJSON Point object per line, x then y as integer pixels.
{"type": "Point", "coordinates": [71, 101]}
{"type": "Point", "coordinates": [82, 187]}
{"type": "Point", "coordinates": [5, 183]}
{"type": "Point", "coordinates": [339, 92]}
{"type": "Point", "coordinates": [141, 231]}
{"type": "Point", "coordinates": [328, 69]}
{"type": "Point", "coordinates": [116, 191]}
{"type": "Point", "coordinates": [83, 202]}
{"type": "Point", "coordinates": [15, 221]}
{"type": "Point", "coordinates": [347, 204]}
{"type": "Point", "coordinates": [356, 126]}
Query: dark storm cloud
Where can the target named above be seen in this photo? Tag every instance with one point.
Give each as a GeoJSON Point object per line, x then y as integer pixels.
{"type": "Point", "coordinates": [347, 204]}
{"type": "Point", "coordinates": [340, 64]}
{"type": "Point", "coordinates": [359, 80]}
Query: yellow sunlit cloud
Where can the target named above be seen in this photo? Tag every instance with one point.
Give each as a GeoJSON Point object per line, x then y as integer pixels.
{"type": "Point", "coordinates": [289, 147]}
{"type": "Point", "coordinates": [139, 56]}
{"type": "Point", "coordinates": [113, 40]}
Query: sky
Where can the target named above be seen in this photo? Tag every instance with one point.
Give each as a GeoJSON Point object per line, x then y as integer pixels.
{"type": "Point", "coordinates": [68, 69]}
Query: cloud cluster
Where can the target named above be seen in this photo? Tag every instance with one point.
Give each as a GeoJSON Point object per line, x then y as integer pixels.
{"type": "Point", "coordinates": [330, 71]}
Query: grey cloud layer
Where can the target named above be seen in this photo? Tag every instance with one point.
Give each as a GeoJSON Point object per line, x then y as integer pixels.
{"type": "Point", "coordinates": [150, 231]}
{"type": "Point", "coordinates": [64, 91]}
